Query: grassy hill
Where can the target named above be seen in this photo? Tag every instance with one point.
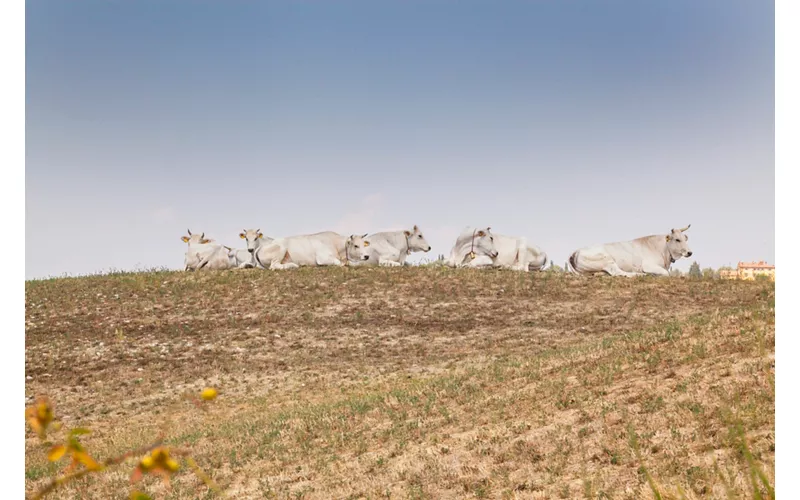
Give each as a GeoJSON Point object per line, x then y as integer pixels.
{"type": "Point", "coordinates": [413, 382]}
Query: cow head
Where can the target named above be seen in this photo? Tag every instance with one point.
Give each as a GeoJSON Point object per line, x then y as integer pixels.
{"type": "Point", "coordinates": [195, 239]}
{"type": "Point", "coordinates": [357, 248]}
{"type": "Point", "coordinates": [677, 243]}
{"type": "Point", "coordinates": [252, 236]}
{"type": "Point", "coordinates": [482, 243]}
{"type": "Point", "coordinates": [416, 242]}
{"type": "Point", "coordinates": [233, 261]}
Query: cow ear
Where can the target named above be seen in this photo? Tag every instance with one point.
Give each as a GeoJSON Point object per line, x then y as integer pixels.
{"type": "Point", "coordinates": [366, 243]}
{"type": "Point", "coordinates": [481, 234]}
{"type": "Point", "coordinates": [204, 241]}
{"type": "Point", "coordinates": [260, 235]}
{"type": "Point", "coordinates": [667, 237]}
{"type": "Point", "coordinates": [185, 239]}
{"type": "Point", "coordinates": [407, 233]}
{"type": "Point", "coordinates": [242, 236]}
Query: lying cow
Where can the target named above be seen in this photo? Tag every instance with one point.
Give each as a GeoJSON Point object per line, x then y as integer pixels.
{"type": "Point", "coordinates": [517, 254]}
{"type": "Point", "coordinates": [199, 248]}
{"type": "Point", "coordinates": [473, 248]}
{"type": "Point", "coordinates": [219, 258]}
{"type": "Point", "coordinates": [318, 249]}
{"type": "Point", "coordinates": [648, 255]}
{"type": "Point", "coordinates": [391, 248]}
{"type": "Point", "coordinates": [245, 258]}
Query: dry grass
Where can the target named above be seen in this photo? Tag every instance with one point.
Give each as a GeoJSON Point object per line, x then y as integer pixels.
{"type": "Point", "coordinates": [414, 382]}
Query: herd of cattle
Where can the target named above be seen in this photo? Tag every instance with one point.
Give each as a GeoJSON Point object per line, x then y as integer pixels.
{"type": "Point", "coordinates": [474, 247]}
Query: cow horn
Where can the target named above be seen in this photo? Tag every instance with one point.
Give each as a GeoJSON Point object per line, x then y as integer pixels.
{"type": "Point", "coordinates": [686, 228]}
{"type": "Point", "coordinates": [190, 233]}
{"type": "Point", "coordinates": [258, 231]}
{"type": "Point", "coordinates": [203, 235]}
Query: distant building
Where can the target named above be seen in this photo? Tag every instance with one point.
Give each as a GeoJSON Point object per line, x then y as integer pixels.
{"type": "Point", "coordinates": [749, 271]}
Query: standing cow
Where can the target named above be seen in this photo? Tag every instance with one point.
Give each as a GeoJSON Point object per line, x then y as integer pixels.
{"type": "Point", "coordinates": [473, 248]}
{"type": "Point", "coordinates": [648, 255]}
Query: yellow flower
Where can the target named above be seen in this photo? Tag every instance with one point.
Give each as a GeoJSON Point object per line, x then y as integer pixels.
{"type": "Point", "coordinates": [39, 416]}
{"type": "Point", "coordinates": [208, 394]}
{"type": "Point", "coordinates": [158, 462]}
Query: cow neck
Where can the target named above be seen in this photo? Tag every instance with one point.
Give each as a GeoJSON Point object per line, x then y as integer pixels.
{"type": "Point", "coordinates": [408, 245]}
{"type": "Point", "coordinates": [472, 245]}
{"type": "Point", "coordinates": [346, 255]}
{"type": "Point", "coordinates": [668, 259]}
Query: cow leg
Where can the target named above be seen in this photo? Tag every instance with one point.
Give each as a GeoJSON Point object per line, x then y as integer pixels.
{"type": "Point", "coordinates": [276, 264]}
{"type": "Point", "coordinates": [614, 270]}
{"type": "Point", "coordinates": [327, 259]}
{"type": "Point", "coordinates": [521, 263]}
{"type": "Point", "coordinates": [649, 268]}
{"type": "Point", "coordinates": [480, 261]}
{"type": "Point", "coordinates": [387, 262]}
{"type": "Point", "coordinates": [203, 261]}
{"type": "Point", "coordinates": [281, 260]}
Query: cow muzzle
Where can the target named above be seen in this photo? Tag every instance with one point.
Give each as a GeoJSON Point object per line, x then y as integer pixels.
{"type": "Point", "coordinates": [494, 255]}
{"type": "Point", "coordinates": [366, 257]}
{"type": "Point", "coordinates": [251, 250]}
{"type": "Point", "coordinates": [688, 254]}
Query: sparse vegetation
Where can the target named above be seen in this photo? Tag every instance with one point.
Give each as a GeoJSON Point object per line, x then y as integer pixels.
{"type": "Point", "coordinates": [424, 382]}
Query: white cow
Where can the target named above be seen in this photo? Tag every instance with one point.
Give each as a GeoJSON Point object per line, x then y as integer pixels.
{"type": "Point", "coordinates": [473, 248]}
{"type": "Point", "coordinates": [517, 254]}
{"type": "Point", "coordinates": [357, 249]}
{"type": "Point", "coordinates": [245, 258]}
{"type": "Point", "coordinates": [199, 248]}
{"type": "Point", "coordinates": [241, 258]}
{"type": "Point", "coordinates": [391, 248]}
{"type": "Point", "coordinates": [219, 258]}
{"type": "Point", "coordinates": [648, 255]}
{"type": "Point", "coordinates": [318, 249]}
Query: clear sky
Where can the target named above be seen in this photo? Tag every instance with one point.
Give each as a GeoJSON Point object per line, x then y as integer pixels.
{"type": "Point", "coordinates": [571, 123]}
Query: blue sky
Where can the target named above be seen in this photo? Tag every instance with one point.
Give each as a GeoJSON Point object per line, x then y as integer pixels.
{"type": "Point", "coordinates": [571, 123]}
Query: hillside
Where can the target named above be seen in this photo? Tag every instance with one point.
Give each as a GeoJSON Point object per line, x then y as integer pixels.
{"type": "Point", "coordinates": [412, 382]}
